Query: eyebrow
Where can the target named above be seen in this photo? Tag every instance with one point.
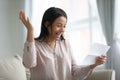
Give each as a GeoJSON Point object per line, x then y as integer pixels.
{"type": "Point", "coordinates": [62, 24]}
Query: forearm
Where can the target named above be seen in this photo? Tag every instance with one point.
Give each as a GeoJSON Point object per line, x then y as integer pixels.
{"type": "Point", "coordinates": [93, 66]}
{"type": "Point", "coordinates": [81, 72]}
{"type": "Point", "coordinates": [29, 55]}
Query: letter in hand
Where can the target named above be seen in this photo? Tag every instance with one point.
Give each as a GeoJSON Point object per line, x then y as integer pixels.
{"type": "Point", "coordinates": [25, 20]}
{"type": "Point", "coordinates": [100, 60]}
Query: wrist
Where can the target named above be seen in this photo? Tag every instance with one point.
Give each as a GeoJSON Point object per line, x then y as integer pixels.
{"type": "Point", "coordinates": [30, 30]}
{"type": "Point", "coordinates": [93, 66]}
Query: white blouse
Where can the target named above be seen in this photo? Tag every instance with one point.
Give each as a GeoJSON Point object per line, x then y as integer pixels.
{"type": "Point", "coordinates": [48, 64]}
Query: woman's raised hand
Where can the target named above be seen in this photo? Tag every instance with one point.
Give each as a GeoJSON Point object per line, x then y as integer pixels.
{"type": "Point", "coordinates": [25, 20]}
{"type": "Point", "coordinates": [28, 25]}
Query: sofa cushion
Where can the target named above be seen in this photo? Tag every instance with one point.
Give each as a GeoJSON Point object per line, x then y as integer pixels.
{"type": "Point", "coordinates": [12, 68]}
{"type": "Point", "coordinates": [102, 75]}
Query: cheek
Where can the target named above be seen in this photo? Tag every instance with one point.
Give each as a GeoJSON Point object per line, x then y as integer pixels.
{"type": "Point", "coordinates": [56, 29]}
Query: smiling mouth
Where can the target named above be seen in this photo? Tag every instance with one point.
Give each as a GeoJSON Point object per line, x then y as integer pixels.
{"type": "Point", "coordinates": [58, 34]}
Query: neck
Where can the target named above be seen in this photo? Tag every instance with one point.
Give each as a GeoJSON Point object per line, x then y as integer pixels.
{"type": "Point", "coordinates": [50, 42]}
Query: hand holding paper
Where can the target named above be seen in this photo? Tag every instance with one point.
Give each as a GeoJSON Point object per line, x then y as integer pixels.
{"type": "Point", "coordinates": [95, 51]}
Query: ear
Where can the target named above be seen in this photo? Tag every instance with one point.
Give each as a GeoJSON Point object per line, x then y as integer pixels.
{"type": "Point", "coordinates": [47, 24]}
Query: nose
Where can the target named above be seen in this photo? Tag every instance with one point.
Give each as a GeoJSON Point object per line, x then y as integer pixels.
{"type": "Point", "coordinates": [62, 29]}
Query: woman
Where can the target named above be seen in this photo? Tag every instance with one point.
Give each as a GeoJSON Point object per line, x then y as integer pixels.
{"type": "Point", "coordinates": [49, 57]}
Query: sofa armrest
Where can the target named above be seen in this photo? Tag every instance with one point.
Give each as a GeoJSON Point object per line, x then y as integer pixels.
{"type": "Point", "coordinates": [11, 68]}
{"type": "Point", "coordinates": [102, 75]}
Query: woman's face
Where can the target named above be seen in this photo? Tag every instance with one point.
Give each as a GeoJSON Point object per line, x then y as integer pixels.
{"type": "Point", "coordinates": [58, 28]}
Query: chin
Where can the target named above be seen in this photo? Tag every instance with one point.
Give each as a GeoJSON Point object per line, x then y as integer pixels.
{"type": "Point", "coordinates": [57, 38]}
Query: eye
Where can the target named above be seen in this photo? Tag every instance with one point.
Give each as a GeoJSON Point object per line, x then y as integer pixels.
{"type": "Point", "coordinates": [65, 26]}
{"type": "Point", "coordinates": [59, 25]}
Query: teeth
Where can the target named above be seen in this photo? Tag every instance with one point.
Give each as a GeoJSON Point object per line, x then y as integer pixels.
{"type": "Point", "coordinates": [57, 34]}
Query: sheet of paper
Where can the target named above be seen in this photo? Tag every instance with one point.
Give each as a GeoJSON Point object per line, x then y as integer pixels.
{"type": "Point", "coordinates": [98, 49]}
{"type": "Point", "coordinates": [95, 50]}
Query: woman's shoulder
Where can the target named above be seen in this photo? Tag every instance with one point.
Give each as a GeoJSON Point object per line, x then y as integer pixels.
{"type": "Point", "coordinates": [38, 42]}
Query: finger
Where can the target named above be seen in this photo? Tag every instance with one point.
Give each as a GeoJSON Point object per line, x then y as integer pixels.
{"type": "Point", "coordinates": [28, 20]}
{"type": "Point", "coordinates": [99, 59]}
{"type": "Point", "coordinates": [99, 62]}
{"type": "Point", "coordinates": [102, 58]}
{"type": "Point", "coordinates": [103, 55]}
{"type": "Point", "coordinates": [22, 15]}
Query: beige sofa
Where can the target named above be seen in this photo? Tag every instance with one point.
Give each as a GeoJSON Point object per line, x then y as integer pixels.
{"type": "Point", "coordinates": [102, 75]}
{"type": "Point", "coordinates": [11, 68]}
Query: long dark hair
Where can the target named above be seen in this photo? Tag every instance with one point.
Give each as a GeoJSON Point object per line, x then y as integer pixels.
{"type": "Point", "coordinates": [50, 15]}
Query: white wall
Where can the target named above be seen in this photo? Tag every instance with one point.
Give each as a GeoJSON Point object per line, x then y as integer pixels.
{"type": "Point", "coordinates": [11, 29]}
